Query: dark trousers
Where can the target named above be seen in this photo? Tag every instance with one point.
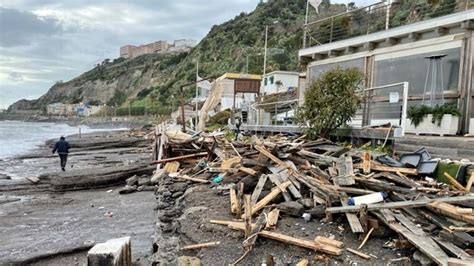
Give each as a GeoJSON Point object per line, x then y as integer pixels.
{"type": "Point", "coordinates": [63, 158]}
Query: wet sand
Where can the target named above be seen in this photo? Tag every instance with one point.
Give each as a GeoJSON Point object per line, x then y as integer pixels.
{"type": "Point", "coordinates": [40, 223]}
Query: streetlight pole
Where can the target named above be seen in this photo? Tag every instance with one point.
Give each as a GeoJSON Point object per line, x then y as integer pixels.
{"type": "Point", "coordinates": [197, 90]}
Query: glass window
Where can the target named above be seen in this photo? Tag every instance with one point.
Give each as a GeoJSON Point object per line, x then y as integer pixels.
{"type": "Point", "coordinates": [266, 81]}
{"type": "Point", "coordinates": [272, 78]}
{"type": "Point", "coordinates": [414, 69]}
{"type": "Point", "coordinates": [316, 71]}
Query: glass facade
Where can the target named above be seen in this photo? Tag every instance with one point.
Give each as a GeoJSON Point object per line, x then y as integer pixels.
{"type": "Point", "coordinates": [316, 71]}
{"type": "Point", "coordinates": [414, 69]}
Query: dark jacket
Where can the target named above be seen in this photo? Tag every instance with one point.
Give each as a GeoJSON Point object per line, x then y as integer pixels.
{"type": "Point", "coordinates": [62, 147]}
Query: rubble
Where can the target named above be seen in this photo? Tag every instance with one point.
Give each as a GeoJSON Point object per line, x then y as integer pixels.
{"type": "Point", "coordinates": [265, 179]}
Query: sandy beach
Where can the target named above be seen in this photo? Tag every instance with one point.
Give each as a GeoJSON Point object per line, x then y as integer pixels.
{"type": "Point", "coordinates": [63, 212]}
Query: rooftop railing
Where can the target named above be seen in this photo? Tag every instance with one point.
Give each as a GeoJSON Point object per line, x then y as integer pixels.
{"type": "Point", "coordinates": [378, 17]}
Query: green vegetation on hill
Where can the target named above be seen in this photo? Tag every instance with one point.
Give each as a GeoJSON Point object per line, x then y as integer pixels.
{"type": "Point", "coordinates": [154, 79]}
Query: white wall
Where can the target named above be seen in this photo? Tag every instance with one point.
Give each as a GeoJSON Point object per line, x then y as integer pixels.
{"type": "Point", "coordinates": [288, 80]}
{"type": "Point", "coordinates": [227, 100]}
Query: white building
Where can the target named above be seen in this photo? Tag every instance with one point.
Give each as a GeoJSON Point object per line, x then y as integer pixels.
{"type": "Point", "coordinates": [279, 81]}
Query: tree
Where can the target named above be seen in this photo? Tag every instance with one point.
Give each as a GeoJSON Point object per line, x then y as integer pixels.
{"type": "Point", "coordinates": [331, 101]}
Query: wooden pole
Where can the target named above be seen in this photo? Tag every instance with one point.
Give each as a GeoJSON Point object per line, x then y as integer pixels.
{"type": "Point", "coordinates": [182, 110]}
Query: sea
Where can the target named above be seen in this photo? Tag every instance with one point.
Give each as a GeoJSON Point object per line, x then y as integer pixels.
{"type": "Point", "coordinates": [18, 138]}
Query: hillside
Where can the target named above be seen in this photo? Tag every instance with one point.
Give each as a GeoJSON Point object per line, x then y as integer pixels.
{"type": "Point", "coordinates": [156, 78]}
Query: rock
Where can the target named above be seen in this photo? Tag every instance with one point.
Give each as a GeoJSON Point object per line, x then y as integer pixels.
{"type": "Point", "coordinates": [144, 181]}
{"type": "Point", "coordinates": [178, 187]}
{"type": "Point", "coordinates": [128, 189]}
{"type": "Point", "coordinates": [132, 180]}
{"type": "Point", "coordinates": [116, 251]}
{"type": "Point", "coordinates": [422, 258]}
{"type": "Point", "coordinates": [308, 203]}
{"type": "Point", "coordinates": [162, 205]}
{"type": "Point", "coordinates": [166, 193]}
{"type": "Point", "coordinates": [177, 194]}
{"type": "Point", "coordinates": [188, 261]}
{"type": "Point", "coordinates": [292, 208]}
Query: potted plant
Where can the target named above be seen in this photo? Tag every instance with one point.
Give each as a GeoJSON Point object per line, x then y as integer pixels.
{"type": "Point", "coordinates": [441, 120]}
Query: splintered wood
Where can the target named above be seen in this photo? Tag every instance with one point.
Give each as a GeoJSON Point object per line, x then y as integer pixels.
{"type": "Point", "coordinates": [291, 176]}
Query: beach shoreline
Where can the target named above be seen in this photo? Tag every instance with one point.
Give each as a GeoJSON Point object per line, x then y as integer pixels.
{"type": "Point", "coordinates": [84, 213]}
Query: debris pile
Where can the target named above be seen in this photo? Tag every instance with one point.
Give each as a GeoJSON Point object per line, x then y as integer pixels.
{"type": "Point", "coordinates": [279, 176]}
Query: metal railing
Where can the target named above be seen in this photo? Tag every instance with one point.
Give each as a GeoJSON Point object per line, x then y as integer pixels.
{"type": "Point", "coordinates": [377, 17]}
{"type": "Point", "coordinates": [383, 105]}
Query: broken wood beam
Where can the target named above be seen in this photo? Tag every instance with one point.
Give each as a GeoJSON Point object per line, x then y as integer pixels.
{"type": "Point", "coordinates": [450, 211]}
{"type": "Point", "coordinates": [233, 201]}
{"type": "Point", "coordinates": [201, 245]}
{"type": "Point", "coordinates": [329, 241]}
{"type": "Point", "coordinates": [454, 182]}
{"type": "Point", "coordinates": [358, 253]}
{"type": "Point", "coordinates": [383, 168]}
{"type": "Point", "coordinates": [263, 202]}
{"type": "Point", "coordinates": [272, 219]}
{"type": "Point", "coordinates": [400, 204]}
{"type": "Point", "coordinates": [178, 158]}
{"type": "Point", "coordinates": [292, 240]}
{"type": "Point", "coordinates": [258, 189]}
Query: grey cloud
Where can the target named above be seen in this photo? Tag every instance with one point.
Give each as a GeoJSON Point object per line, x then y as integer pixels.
{"type": "Point", "coordinates": [22, 27]}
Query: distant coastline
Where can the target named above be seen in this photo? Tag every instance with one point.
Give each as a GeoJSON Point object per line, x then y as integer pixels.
{"type": "Point", "coordinates": [92, 122]}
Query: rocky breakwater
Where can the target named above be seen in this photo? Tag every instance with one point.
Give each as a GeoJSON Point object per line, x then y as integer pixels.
{"type": "Point", "coordinates": [170, 207]}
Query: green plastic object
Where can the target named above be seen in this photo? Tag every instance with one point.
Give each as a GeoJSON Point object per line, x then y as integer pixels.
{"type": "Point", "coordinates": [218, 179]}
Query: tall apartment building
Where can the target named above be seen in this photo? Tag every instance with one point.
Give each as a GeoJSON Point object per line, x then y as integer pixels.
{"type": "Point", "coordinates": [131, 51]}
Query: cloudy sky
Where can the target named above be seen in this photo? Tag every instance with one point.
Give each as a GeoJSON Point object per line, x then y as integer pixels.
{"type": "Point", "coordinates": [43, 41]}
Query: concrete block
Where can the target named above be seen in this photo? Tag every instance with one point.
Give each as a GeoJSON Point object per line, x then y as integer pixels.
{"type": "Point", "coordinates": [114, 252]}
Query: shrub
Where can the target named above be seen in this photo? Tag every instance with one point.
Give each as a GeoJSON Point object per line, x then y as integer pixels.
{"type": "Point", "coordinates": [418, 113]}
{"type": "Point", "coordinates": [331, 101]}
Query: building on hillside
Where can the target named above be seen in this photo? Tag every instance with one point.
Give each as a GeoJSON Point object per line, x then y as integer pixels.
{"type": "Point", "coordinates": [433, 58]}
{"type": "Point", "coordinates": [64, 109]}
{"type": "Point", "coordinates": [131, 51]}
{"type": "Point", "coordinates": [183, 45]}
{"type": "Point", "coordinates": [280, 81]}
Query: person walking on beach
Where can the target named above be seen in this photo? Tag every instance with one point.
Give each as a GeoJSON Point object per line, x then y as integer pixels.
{"type": "Point", "coordinates": [62, 147]}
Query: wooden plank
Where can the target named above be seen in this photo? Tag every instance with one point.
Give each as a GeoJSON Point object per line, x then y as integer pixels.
{"type": "Point", "coordinates": [454, 182]}
{"type": "Point", "coordinates": [382, 168]}
{"type": "Point", "coordinates": [178, 158]}
{"type": "Point", "coordinates": [293, 240]}
{"type": "Point", "coordinates": [366, 158]}
{"type": "Point", "coordinates": [249, 171]}
{"type": "Point", "coordinates": [329, 241]}
{"type": "Point", "coordinates": [283, 175]}
{"type": "Point", "coordinates": [388, 216]}
{"type": "Point", "coordinates": [469, 182]}
{"type": "Point", "coordinates": [458, 262]}
{"type": "Point", "coordinates": [269, 155]}
{"type": "Point", "coordinates": [258, 189]}
{"type": "Point", "coordinates": [352, 219]}
{"type": "Point", "coordinates": [171, 167]}
{"type": "Point", "coordinates": [248, 215]}
{"type": "Point", "coordinates": [409, 224]}
{"type": "Point", "coordinates": [33, 179]}
{"type": "Point", "coordinates": [272, 219]}
{"type": "Point", "coordinates": [358, 253]}
{"type": "Point", "coordinates": [450, 211]}
{"type": "Point", "coordinates": [401, 204]}
{"type": "Point", "coordinates": [185, 177]}
{"type": "Point", "coordinates": [423, 243]}
{"type": "Point", "coordinates": [230, 163]}
{"type": "Point", "coordinates": [453, 249]}
{"type": "Point", "coordinates": [233, 200]}
{"type": "Point", "coordinates": [263, 202]}
{"type": "Point", "coordinates": [303, 262]}
{"type": "Point", "coordinates": [201, 245]}
{"type": "Point", "coordinates": [273, 178]}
